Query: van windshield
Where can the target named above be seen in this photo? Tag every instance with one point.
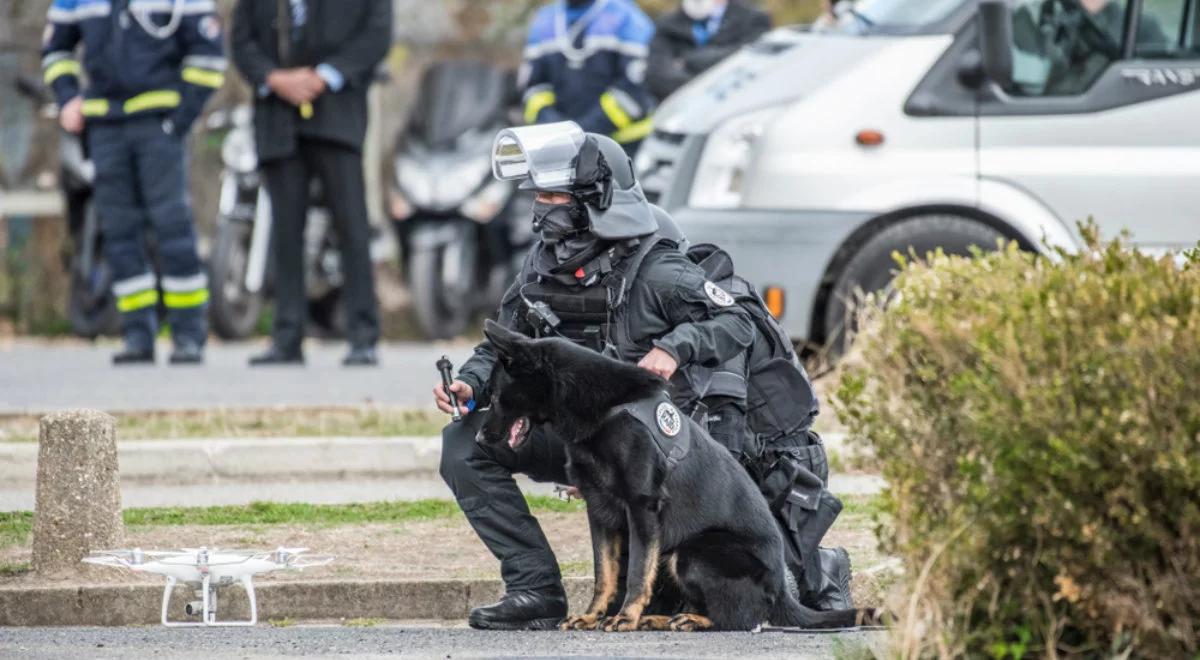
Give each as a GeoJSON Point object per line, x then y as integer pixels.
{"type": "Point", "coordinates": [894, 16]}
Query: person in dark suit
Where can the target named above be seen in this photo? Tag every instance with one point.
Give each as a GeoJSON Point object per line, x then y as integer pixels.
{"type": "Point", "coordinates": [693, 38]}
{"type": "Point", "coordinates": [310, 63]}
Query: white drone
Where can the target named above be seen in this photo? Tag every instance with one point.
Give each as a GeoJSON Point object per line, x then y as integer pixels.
{"type": "Point", "coordinates": [207, 570]}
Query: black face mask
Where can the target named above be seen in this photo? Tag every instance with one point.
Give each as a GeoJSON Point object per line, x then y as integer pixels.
{"type": "Point", "coordinates": [564, 229]}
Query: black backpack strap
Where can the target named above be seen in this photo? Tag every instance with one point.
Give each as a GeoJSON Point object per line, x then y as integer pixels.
{"type": "Point", "coordinates": [619, 281]}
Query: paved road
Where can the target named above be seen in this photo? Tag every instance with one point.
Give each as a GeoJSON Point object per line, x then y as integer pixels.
{"type": "Point", "coordinates": [414, 641]}
{"type": "Point", "coordinates": [45, 376]}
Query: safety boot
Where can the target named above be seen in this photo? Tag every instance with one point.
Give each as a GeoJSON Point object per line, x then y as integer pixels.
{"type": "Point", "coordinates": [133, 356]}
{"type": "Point", "coordinates": [540, 609]}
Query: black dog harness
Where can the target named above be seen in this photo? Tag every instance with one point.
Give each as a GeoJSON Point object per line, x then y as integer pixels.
{"type": "Point", "coordinates": [671, 429]}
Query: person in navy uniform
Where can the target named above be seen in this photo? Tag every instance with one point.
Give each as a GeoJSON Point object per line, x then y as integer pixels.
{"type": "Point", "coordinates": [150, 66]}
{"type": "Point", "coordinates": [585, 61]}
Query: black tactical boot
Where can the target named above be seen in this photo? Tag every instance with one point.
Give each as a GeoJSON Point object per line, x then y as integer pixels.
{"type": "Point", "coordinates": [835, 580]}
{"type": "Point", "coordinates": [541, 609]}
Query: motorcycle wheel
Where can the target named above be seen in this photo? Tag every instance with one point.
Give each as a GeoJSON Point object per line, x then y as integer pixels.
{"type": "Point", "coordinates": [91, 308]}
{"type": "Point", "coordinates": [232, 309]}
{"type": "Point", "coordinates": [442, 314]}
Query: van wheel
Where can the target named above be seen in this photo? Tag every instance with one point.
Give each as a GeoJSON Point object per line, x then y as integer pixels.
{"type": "Point", "coordinates": [872, 268]}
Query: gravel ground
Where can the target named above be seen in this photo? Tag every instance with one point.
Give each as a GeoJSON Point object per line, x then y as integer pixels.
{"type": "Point", "coordinates": [421, 641]}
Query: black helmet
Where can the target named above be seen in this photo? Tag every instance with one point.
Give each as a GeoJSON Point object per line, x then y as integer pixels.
{"type": "Point", "coordinates": [594, 168]}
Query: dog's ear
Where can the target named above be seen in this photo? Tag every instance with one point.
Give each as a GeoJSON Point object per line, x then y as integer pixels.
{"type": "Point", "coordinates": [506, 342]}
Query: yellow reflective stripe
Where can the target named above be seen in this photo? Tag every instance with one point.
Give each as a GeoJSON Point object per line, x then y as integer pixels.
{"type": "Point", "coordinates": [634, 132]}
{"type": "Point", "coordinates": [189, 299]}
{"type": "Point", "coordinates": [538, 102]}
{"type": "Point", "coordinates": [613, 110]}
{"type": "Point", "coordinates": [162, 98]}
{"type": "Point", "coordinates": [203, 77]}
{"type": "Point", "coordinates": [59, 69]}
{"type": "Point", "coordinates": [136, 301]}
{"type": "Point", "coordinates": [95, 107]}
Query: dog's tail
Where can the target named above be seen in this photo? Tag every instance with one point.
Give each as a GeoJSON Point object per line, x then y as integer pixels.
{"type": "Point", "coordinates": [789, 612]}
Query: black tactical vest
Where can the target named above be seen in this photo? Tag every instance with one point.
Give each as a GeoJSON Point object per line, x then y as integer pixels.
{"type": "Point", "coordinates": [671, 429]}
{"type": "Point", "coordinates": [590, 315]}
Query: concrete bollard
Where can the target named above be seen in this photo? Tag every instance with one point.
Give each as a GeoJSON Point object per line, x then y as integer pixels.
{"type": "Point", "coordinates": [78, 503]}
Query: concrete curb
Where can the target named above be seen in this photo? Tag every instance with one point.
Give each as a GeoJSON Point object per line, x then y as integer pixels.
{"type": "Point", "coordinates": [138, 604]}
{"type": "Point", "coordinates": [206, 460]}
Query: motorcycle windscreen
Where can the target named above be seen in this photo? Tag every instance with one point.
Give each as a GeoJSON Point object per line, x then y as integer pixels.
{"type": "Point", "coordinates": [457, 97]}
{"type": "Point", "coordinates": [546, 154]}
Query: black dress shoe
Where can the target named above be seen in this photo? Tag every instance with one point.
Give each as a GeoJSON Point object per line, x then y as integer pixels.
{"type": "Point", "coordinates": [187, 354]}
{"type": "Point", "coordinates": [275, 356]}
{"type": "Point", "coordinates": [361, 356]}
{"type": "Point", "coordinates": [129, 356]}
{"type": "Point", "coordinates": [522, 610]}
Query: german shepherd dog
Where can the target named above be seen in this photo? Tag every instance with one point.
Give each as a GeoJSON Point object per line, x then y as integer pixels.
{"type": "Point", "coordinates": [701, 524]}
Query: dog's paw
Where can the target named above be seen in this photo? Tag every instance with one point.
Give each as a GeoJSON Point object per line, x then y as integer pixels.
{"type": "Point", "coordinates": [654, 622]}
{"type": "Point", "coordinates": [580, 622]}
{"type": "Point", "coordinates": [620, 623]}
{"type": "Point", "coordinates": [689, 623]}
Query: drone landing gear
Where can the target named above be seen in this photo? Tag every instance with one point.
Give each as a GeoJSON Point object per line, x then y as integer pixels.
{"type": "Point", "coordinates": [208, 604]}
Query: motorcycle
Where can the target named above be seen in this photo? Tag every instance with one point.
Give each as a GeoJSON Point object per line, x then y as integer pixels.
{"type": "Point", "coordinates": [240, 264]}
{"type": "Point", "coordinates": [460, 243]}
{"type": "Point", "coordinates": [91, 306]}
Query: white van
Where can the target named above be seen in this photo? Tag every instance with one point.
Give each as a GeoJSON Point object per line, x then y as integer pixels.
{"type": "Point", "coordinates": [925, 123]}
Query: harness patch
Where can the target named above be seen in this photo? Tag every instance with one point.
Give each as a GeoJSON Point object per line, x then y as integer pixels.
{"type": "Point", "coordinates": [670, 422]}
{"type": "Point", "coordinates": [717, 294]}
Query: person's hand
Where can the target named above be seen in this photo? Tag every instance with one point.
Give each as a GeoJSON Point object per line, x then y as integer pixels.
{"type": "Point", "coordinates": [70, 117]}
{"type": "Point", "coordinates": [460, 389]}
{"type": "Point", "coordinates": [660, 362]}
{"type": "Point", "coordinates": [296, 86]}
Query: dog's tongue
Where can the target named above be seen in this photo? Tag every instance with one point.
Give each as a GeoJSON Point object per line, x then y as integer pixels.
{"type": "Point", "coordinates": [514, 432]}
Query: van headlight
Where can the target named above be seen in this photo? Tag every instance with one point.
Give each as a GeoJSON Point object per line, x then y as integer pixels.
{"type": "Point", "coordinates": [720, 180]}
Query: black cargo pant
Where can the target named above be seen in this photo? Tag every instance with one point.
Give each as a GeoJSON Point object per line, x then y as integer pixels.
{"type": "Point", "coordinates": [481, 477]}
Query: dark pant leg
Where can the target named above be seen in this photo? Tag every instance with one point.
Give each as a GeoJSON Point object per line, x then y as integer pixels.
{"type": "Point", "coordinates": [481, 478]}
{"type": "Point", "coordinates": [160, 161]}
{"type": "Point", "coordinates": [123, 228]}
{"type": "Point", "coordinates": [341, 173]}
{"type": "Point", "coordinates": [287, 185]}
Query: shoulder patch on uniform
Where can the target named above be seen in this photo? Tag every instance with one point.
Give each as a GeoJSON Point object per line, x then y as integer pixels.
{"type": "Point", "coordinates": [210, 27]}
{"type": "Point", "coordinates": [717, 294]}
{"type": "Point", "coordinates": [670, 422]}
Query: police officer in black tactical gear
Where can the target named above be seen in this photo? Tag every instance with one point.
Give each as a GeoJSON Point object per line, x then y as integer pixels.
{"type": "Point", "coordinates": [593, 221]}
{"type": "Point", "coordinates": [610, 273]}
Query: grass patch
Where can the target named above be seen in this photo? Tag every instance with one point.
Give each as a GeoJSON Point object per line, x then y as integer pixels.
{"type": "Point", "coordinates": [16, 526]}
{"type": "Point", "coordinates": [362, 623]}
{"type": "Point", "coordinates": [254, 423]}
{"type": "Point", "coordinates": [281, 623]}
{"type": "Point", "coordinates": [14, 568]}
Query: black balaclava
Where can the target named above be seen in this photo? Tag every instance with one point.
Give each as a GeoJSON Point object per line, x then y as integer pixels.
{"type": "Point", "coordinates": [565, 233]}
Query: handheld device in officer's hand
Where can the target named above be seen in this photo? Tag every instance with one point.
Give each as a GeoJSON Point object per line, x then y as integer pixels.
{"type": "Point", "coordinates": [446, 368]}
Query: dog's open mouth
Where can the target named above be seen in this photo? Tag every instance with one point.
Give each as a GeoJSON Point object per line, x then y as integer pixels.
{"type": "Point", "coordinates": [518, 432]}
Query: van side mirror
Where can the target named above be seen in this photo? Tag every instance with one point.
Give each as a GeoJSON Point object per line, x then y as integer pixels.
{"type": "Point", "coordinates": [995, 41]}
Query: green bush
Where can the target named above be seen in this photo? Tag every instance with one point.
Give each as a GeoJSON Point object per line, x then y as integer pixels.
{"type": "Point", "coordinates": [1038, 423]}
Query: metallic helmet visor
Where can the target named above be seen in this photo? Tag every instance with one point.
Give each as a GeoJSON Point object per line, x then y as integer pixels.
{"type": "Point", "coordinates": [546, 154]}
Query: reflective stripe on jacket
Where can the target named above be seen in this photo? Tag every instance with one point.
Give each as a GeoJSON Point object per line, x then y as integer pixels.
{"type": "Point", "coordinates": [130, 70]}
{"type": "Point", "coordinates": [591, 71]}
